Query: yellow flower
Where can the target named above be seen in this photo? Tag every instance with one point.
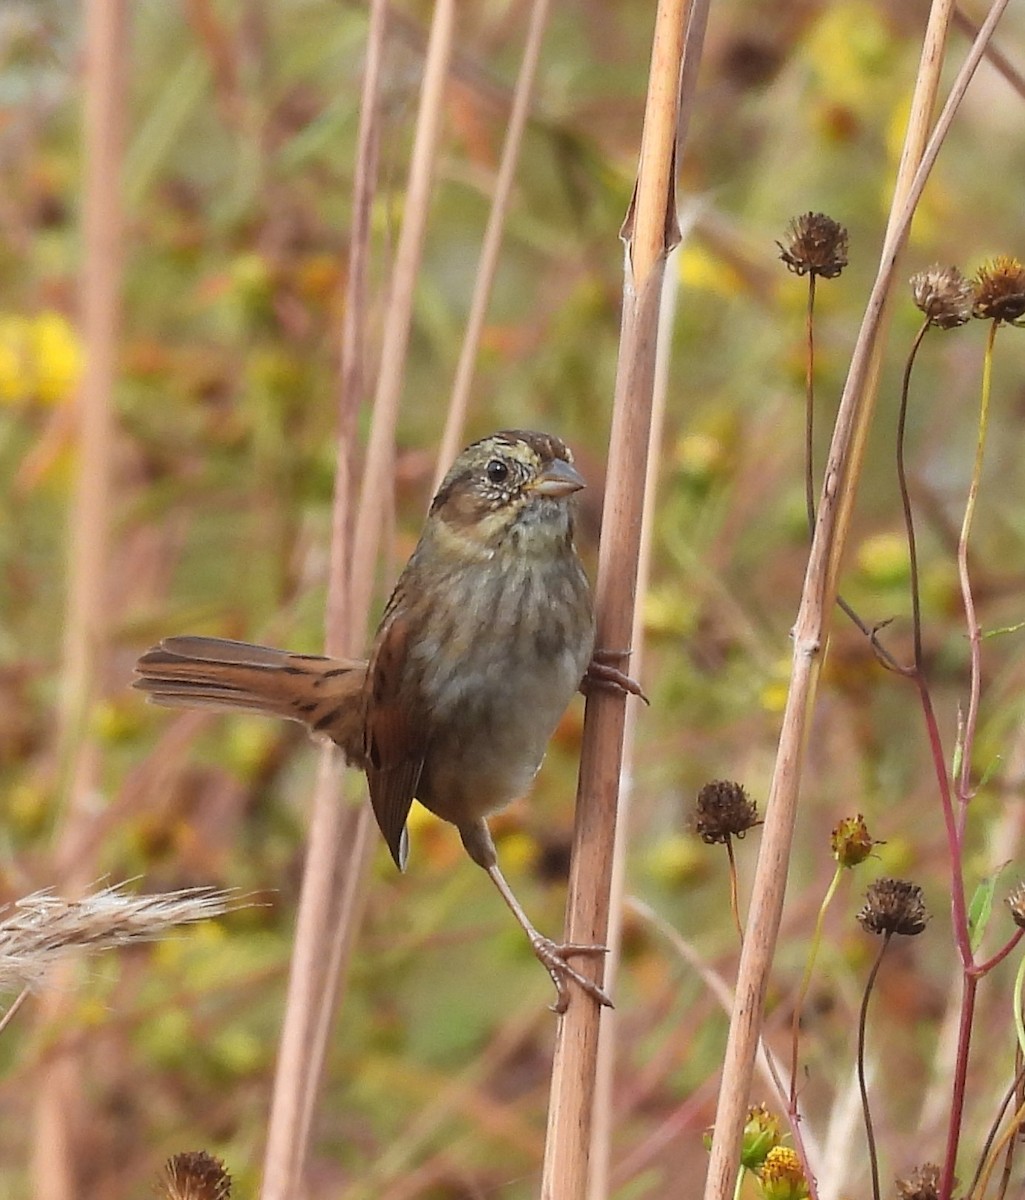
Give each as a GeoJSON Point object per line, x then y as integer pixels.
{"type": "Point", "coordinates": [56, 356]}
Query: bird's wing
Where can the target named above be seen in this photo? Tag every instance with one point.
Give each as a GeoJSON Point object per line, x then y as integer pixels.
{"type": "Point", "coordinates": [395, 733]}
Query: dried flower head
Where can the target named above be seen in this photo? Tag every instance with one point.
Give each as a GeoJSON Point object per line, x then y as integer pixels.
{"type": "Point", "coordinates": [894, 906]}
{"type": "Point", "coordinates": [724, 810]}
{"type": "Point", "coordinates": [1016, 903]}
{"type": "Point", "coordinates": [1000, 290]}
{"type": "Point", "coordinates": [922, 1184]}
{"type": "Point", "coordinates": [815, 245]}
{"type": "Point", "coordinates": [761, 1134]}
{"type": "Point", "coordinates": [944, 295]}
{"type": "Point", "coordinates": [195, 1175]}
{"type": "Point", "coordinates": [851, 842]}
{"type": "Point", "coordinates": [782, 1177]}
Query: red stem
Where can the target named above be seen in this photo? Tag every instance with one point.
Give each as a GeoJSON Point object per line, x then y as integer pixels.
{"type": "Point", "coordinates": [964, 1037]}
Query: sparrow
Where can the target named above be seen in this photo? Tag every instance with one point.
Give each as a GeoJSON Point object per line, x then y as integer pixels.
{"type": "Point", "coordinates": [488, 634]}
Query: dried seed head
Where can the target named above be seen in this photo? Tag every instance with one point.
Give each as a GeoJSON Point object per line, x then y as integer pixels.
{"type": "Point", "coordinates": [1016, 903]}
{"type": "Point", "coordinates": [781, 1176]}
{"type": "Point", "coordinates": [944, 295]}
{"type": "Point", "coordinates": [815, 245]}
{"type": "Point", "coordinates": [195, 1175]}
{"type": "Point", "coordinates": [893, 906]}
{"type": "Point", "coordinates": [1000, 290]}
{"type": "Point", "coordinates": [922, 1184]}
{"type": "Point", "coordinates": [724, 810]}
{"type": "Point", "coordinates": [851, 841]}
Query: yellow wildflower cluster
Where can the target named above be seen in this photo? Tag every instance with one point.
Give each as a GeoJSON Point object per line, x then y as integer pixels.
{"type": "Point", "coordinates": [40, 358]}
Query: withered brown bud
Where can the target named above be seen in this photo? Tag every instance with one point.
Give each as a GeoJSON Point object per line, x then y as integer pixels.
{"type": "Point", "coordinates": [922, 1184]}
{"type": "Point", "coordinates": [944, 295]}
{"type": "Point", "coordinates": [815, 245]}
{"type": "Point", "coordinates": [1000, 290]}
{"type": "Point", "coordinates": [724, 810]}
{"type": "Point", "coordinates": [194, 1175]}
{"type": "Point", "coordinates": [1016, 903]}
{"type": "Point", "coordinates": [894, 906]}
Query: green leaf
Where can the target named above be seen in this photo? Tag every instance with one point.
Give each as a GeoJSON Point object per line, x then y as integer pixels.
{"type": "Point", "coordinates": [981, 907]}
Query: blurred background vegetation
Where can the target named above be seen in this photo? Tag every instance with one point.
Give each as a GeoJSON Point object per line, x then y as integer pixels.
{"type": "Point", "coordinates": [237, 181]}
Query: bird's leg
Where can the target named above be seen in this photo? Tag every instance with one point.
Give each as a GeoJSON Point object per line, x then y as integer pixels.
{"type": "Point", "coordinates": [602, 672]}
{"type": "Point", "coordinates": [552, 954]}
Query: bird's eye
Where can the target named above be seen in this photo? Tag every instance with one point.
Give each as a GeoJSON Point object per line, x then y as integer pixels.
{"type": "Point", "coordinates": [497, 471]}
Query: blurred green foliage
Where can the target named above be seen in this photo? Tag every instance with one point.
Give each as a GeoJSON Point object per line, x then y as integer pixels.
{"type": "Point", "coordinates": [237, 180]}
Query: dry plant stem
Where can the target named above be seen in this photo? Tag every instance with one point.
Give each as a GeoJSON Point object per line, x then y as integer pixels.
{"type": "Point", "coordinates": [1006, 1140]}
{"type": "Point", "coordinates": [649, 234]}
{"type": "Point", "coordinates": [842, 469]}
{"type": "Point", "coordinates": [970, 983]}
{"type": "Point", "coordinates": [603, 1102]}
{"type": "Point", "coordinates": [378, 473]}
{"type": "Point", "coordinates": [16, 1004]}
{"type": "Point", "coordinates": [809, 406]}
{"type": "Point", "coordinates": [802, 992]}
{"type": "Point", "coordinates": [993, 53]}
{"type": "Point", "coordinates": [106, 36]}
{"type": "Point", "coordinates": [327, 915]}
{"type": "Point", "coordinates": [862, 1085]}
{"type": "Point", "coordinates": [455, 421]}
{"type": "Point", "coordinates": [905, 499]}
{"type": "Point", "coordinates": [974, 632]}
{"type": "Point", "coordinates": [1013, 1089]}
{"type": "Point", "coordinates": [734, 902]}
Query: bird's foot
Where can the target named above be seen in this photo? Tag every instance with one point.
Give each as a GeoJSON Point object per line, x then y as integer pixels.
{"type": "Point", "coordinates": [554, 956]}
{"type": "Point", "coordinates": [602, 672]}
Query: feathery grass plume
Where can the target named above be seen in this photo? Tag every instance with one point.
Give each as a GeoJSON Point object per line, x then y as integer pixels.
{"type": "Point", "coordinates": [943, 295]}
{"type": "Point", "coordinates": [39, 929]}
{"type": "Point", "coordinates": [1000, 290]}
{"type": "Point", "coordinates": [194, 1175]}
{"type": "Point", "coordinates": [922, 1184]}
{"type": "Point", "coordinates": [893, 906]}
{"type": "Point", "coordinates": [1016, 903]}
{"type": "Point", "coordinates": [782, 1176]}
{"type": "Point", "coordinates": [723, 811]}
{"type": "Point", "coordinates": [815, 245]}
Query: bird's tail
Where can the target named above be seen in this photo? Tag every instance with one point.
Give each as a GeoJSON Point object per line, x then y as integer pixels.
{"type": "Point", "coordinates": [324, 694]}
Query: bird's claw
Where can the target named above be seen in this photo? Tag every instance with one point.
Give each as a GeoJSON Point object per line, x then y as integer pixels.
{"type": "Point", "coordinates": [602, 672]}
{"type": "Point", "coordinates": [554, 955]}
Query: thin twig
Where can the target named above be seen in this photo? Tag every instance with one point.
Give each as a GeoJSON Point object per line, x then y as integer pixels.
{"type": "Point", "coordinates": [866, 1110]}
{"type": "Point", "coordinates": [455, 421]}
{"type": "Point", "coordinates": [905, 499]}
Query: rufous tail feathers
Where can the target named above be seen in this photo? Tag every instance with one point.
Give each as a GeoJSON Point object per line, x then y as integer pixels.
{"type": "Point", "coordinates": [324, 694]}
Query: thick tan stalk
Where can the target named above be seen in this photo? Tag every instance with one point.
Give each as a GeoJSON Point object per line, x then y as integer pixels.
{"type": "Point", "coordinates": [603, 1103]}
{"type": "Point", "coordinates": [378, 474]}
{"type": "Point", "coordinates": [55, 1168]}
{"type": "Point", "coordinates": [455, 422]}
{"type": "Point", "coordinates": [314, 975]}
{"type": "Point", "coordinates": [341, 835]}
{"type": "Point", "coordinates": [817, 602]}
{"type": "Point", "coordinates": [650, 233]}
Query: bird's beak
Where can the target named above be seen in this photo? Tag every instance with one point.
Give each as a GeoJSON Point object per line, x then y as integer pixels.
{"type": "Point", "coordinates": [559, 478]}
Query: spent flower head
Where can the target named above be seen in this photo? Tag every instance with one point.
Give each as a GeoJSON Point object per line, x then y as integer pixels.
{"type": "Point", "coordinates": [782, 1176]}
{"type": "Point", "coordinates": [944, 295]}
{"type": "Point", "coordinates": [851, 841]}
{"type": "Point", "coordinates": [1000, 290]}
{"type": "Point", "coordinates": [1016, 903]}
{"type": "Point", "coordinates": [815, 245]}
{"type": "Point", "coordinates": [724, 810]}
{"type": "Point", "coordinates": [194, 1175]}
{"type": "Point", "coordinates": [922, 1184]}
{"type": "Point", "coordinates": [893, 906]}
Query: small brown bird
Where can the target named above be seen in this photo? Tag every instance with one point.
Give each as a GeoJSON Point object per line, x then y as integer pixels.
{"type": "Point", "coordinates": [486, 637]}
